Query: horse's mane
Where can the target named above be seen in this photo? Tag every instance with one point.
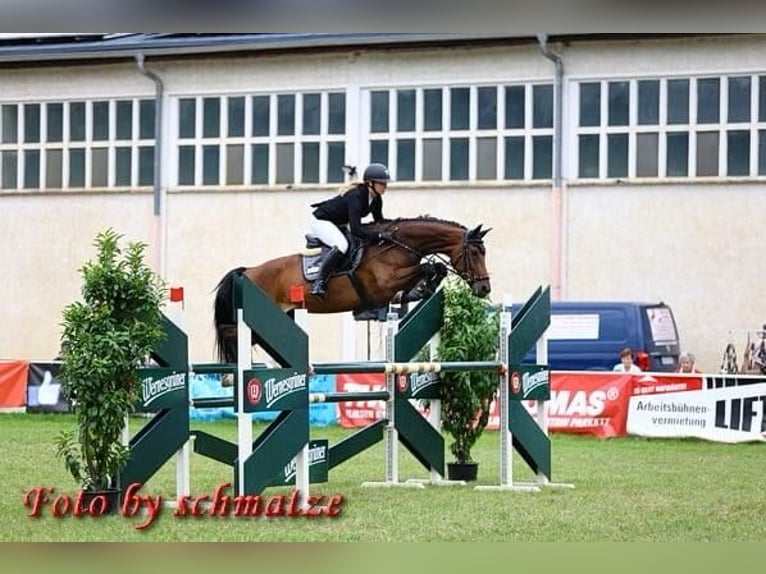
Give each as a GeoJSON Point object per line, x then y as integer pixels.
{"type": "Point", "coordinates": [418, 219]}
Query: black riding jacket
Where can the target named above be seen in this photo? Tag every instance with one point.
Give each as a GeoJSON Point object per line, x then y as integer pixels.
{"type": "Point", "coordinates": [349, 208]}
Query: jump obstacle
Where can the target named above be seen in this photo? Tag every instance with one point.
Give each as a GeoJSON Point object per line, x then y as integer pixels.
{"type": "Point", "coordinates": [283, 453]}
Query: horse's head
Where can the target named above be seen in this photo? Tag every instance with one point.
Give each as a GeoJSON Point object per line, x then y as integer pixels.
{"type": "Point", "coordinates": [469, 262]}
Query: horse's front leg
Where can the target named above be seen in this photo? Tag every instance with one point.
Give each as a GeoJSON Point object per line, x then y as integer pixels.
{"type": "Point", "coordinates": [432, 275]}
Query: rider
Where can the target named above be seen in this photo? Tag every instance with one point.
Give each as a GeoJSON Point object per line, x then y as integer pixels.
{"type": "Point", "coordinates": [348, 209]}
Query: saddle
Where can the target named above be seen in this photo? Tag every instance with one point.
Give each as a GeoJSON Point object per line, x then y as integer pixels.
{"type": "Point", "coordinates": [311, 262]}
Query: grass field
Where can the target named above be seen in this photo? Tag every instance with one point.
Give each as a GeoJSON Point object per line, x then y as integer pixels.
{"type": "Point", "coordinates": [626, 490]}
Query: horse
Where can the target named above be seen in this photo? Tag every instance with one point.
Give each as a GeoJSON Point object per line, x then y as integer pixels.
{"type": "Point", "coordinates": [384, 270]}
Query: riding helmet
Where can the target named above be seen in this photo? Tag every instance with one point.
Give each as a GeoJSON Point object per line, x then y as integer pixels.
{"type": "Point", "coordinates": [377, 172]}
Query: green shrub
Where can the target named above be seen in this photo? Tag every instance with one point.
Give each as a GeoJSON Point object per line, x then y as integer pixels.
{"type": "Point", "coordinates": [105, 337]}
{"type": "Point", "coordinates": [469, 333]}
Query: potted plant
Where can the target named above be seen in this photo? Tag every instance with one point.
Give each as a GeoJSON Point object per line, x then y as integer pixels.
{"type": "Point", "coordinates": [469, 333]}
{"type": "Point", "coordinates": [105, 337]}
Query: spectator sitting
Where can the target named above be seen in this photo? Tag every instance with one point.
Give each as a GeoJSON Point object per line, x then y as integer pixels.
{"type": "Point", "coordinates": [626, 364]}
{"type": "Point", "coordinates": [686, 364]}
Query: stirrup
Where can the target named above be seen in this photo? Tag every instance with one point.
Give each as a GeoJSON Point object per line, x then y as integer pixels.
{"type": "Point", "coordinates": [318, 290]}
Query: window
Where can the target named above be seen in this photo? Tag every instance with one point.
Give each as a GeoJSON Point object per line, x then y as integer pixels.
{"type": "Point", "coordinates": [463, 133]}
{"type": "Point", "coordinates": [262, 139]}
{"type": "Point", "coordinates": [675, 127]}
{"type": "Point", "coordinates": [77, 144]}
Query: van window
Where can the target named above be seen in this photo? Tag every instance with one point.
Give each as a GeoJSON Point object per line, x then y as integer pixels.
{"type": "Point", "coordinates": [608, 325]}
{"type": "Point", "coordinates": [662, 326]}
{"type": "Point", "coordinates": [574, 326]}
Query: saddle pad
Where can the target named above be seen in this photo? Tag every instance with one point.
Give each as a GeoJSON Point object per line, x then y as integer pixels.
{"type": "Point", "coordinates": [311, 261]}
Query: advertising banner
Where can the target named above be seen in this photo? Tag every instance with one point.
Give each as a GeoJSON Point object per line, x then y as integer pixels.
{"type": "Point", "coordinates": [588, 403]}
{"type": "Point", "coordinates": [360, 413]}
{"type": "Point", "coordinates": [354, 414]}
{"type": "Point", "coordinates": [580, 403]}
{"type": "Point", "coordinates": [655, 383]}
{"type": "Point", "coordinates": [13, 385]}
{"type": "Point", "coordinates": [613, 404]}
{"type": "Point", "coordinates": [728, 414]}
{"type": "Point", "coordinates": [44, 389]}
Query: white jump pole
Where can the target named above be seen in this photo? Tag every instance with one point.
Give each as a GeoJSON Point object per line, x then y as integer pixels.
{"type": "Point", "coordinates": [435, 408]}
{"type": "Point", "coordinates": [392, 435]}
{"type": "Point", "coordinates": [302, 482]}
{"type": "Point", "coordinates": [175, 313]}
{"type": "Point", "coordinates": [244, 420]}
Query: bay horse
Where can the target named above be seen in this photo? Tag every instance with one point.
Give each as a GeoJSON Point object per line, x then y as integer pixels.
{"type": "Point", "coordinates": [385, 269]}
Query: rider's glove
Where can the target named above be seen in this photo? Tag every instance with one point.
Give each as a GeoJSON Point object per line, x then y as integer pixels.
{"type": "Point", "coordinates": [385, 236]}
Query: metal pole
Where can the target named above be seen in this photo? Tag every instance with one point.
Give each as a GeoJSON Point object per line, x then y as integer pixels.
{"type": "Point", "coordinates": [403, 368]}
{"type": "Point", "coordinates": [160, 220]}
{"type": "Point", "coordinates": [392, 437]}
{"type": "Point", "coordinates": [244, 420]}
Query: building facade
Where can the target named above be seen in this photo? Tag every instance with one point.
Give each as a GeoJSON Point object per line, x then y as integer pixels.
{"type": "Point", "coordinates": [610, 167]}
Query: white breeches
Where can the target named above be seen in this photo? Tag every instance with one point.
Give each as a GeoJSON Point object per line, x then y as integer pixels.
{"type": "Point", "coordinates": [329, 234]}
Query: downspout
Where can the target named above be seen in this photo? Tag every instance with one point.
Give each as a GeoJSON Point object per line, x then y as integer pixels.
{"type": "Point", "coordinates": [558, 221]}
{"type": "Point", "coordinates": [159, 220]}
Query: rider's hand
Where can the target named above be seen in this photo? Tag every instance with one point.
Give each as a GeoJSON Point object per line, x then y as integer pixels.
{"type": "Point", "coordinates": [385, 236]}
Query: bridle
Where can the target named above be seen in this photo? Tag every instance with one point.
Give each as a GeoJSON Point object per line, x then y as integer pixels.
{"type": "Point", "coordinates": [468, 274]}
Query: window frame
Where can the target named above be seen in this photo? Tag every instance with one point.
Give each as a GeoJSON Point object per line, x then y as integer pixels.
{"type": "Point", "coordinates": [663, 129]}
{"type": "Point", "coordinates": [448, 138]}
{"type": "Point", "coordinates": [65, 149]}
{"type": "Point", "coordinates": [273, 140]}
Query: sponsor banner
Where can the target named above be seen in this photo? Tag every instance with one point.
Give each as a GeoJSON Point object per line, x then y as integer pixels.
{"type": "Point", "coordinates": [44, 389]}
{"type": "Point", "coordinates": [354, 414]}
{"type": "Point", "coordinates": [654, 383]}
{"type": "Point", "coordinates": [728, 414]}
{"type": "Point", "coordinates": [360, 413]}
{"type": "Point", "coordinates": [582, 403]}
{"type": "Point", "coordinates": [529, 382]}
{"type": "Point", "coordinates": [318, 451]}
{"type": "Point", "coordinates": [417, 385]}
{"type": "Point", "coordinates": [162, 388]}
{"type": "Point", "coordinates": [717, 381]}
{"type": "Point", "coordinates": [593, 403]}
{"type": "Point", "coordinates": [275, 390]}
{"type": "Point", "coordinates": [587, 403]}
{"type": "Point", "coordinates": [13, 384]}
{"type": "Point", "coordinates": [596, 403]}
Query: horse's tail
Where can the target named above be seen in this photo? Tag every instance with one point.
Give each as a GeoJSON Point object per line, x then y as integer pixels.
{"type": "Point", "coordinates": [224, 319]}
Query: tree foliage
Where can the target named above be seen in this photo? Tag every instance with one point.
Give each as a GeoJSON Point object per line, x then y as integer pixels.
{"type": "Point", "coordinates": [469, 333]}
{"type": "Point", "coordinates": [105, 337]}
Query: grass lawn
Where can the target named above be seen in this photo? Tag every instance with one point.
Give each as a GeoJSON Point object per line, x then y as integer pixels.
{"type": "Point", "coordinates": [627, 489]}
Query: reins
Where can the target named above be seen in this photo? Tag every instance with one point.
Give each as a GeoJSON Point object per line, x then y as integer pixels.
{"type": "Point", "coordinates": [469, 276]}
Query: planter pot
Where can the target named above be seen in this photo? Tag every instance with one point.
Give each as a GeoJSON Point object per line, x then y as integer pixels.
{"type": "Point", "coordinates": [104, 502]}
{"type": "Point", "coordinates": [462, 471]}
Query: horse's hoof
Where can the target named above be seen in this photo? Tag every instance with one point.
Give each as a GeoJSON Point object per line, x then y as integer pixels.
{"type": "Point", "coordinates": [227, 380]}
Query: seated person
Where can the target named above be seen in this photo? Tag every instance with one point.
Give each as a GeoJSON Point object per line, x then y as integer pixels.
{"type": "Point", "coordinates": [626, 364]}
{"type": "Point", "coordinates": [686, 364]}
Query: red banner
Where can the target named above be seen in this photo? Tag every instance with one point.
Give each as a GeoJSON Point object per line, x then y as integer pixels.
{"type": "Point", "coordinates": [654, 383]}
{"type": "Point", "coordinates": [13, 384]}
{"type": "Point", "coordinates": [360, 413]}
{"type": "Point", "coordinates": [594, 403]}
{"type": "Point", "coordinates": [582, 403]}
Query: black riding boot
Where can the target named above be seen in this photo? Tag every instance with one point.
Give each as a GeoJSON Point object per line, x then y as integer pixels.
{"type": "Point", "coordinates": [328, 266]}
